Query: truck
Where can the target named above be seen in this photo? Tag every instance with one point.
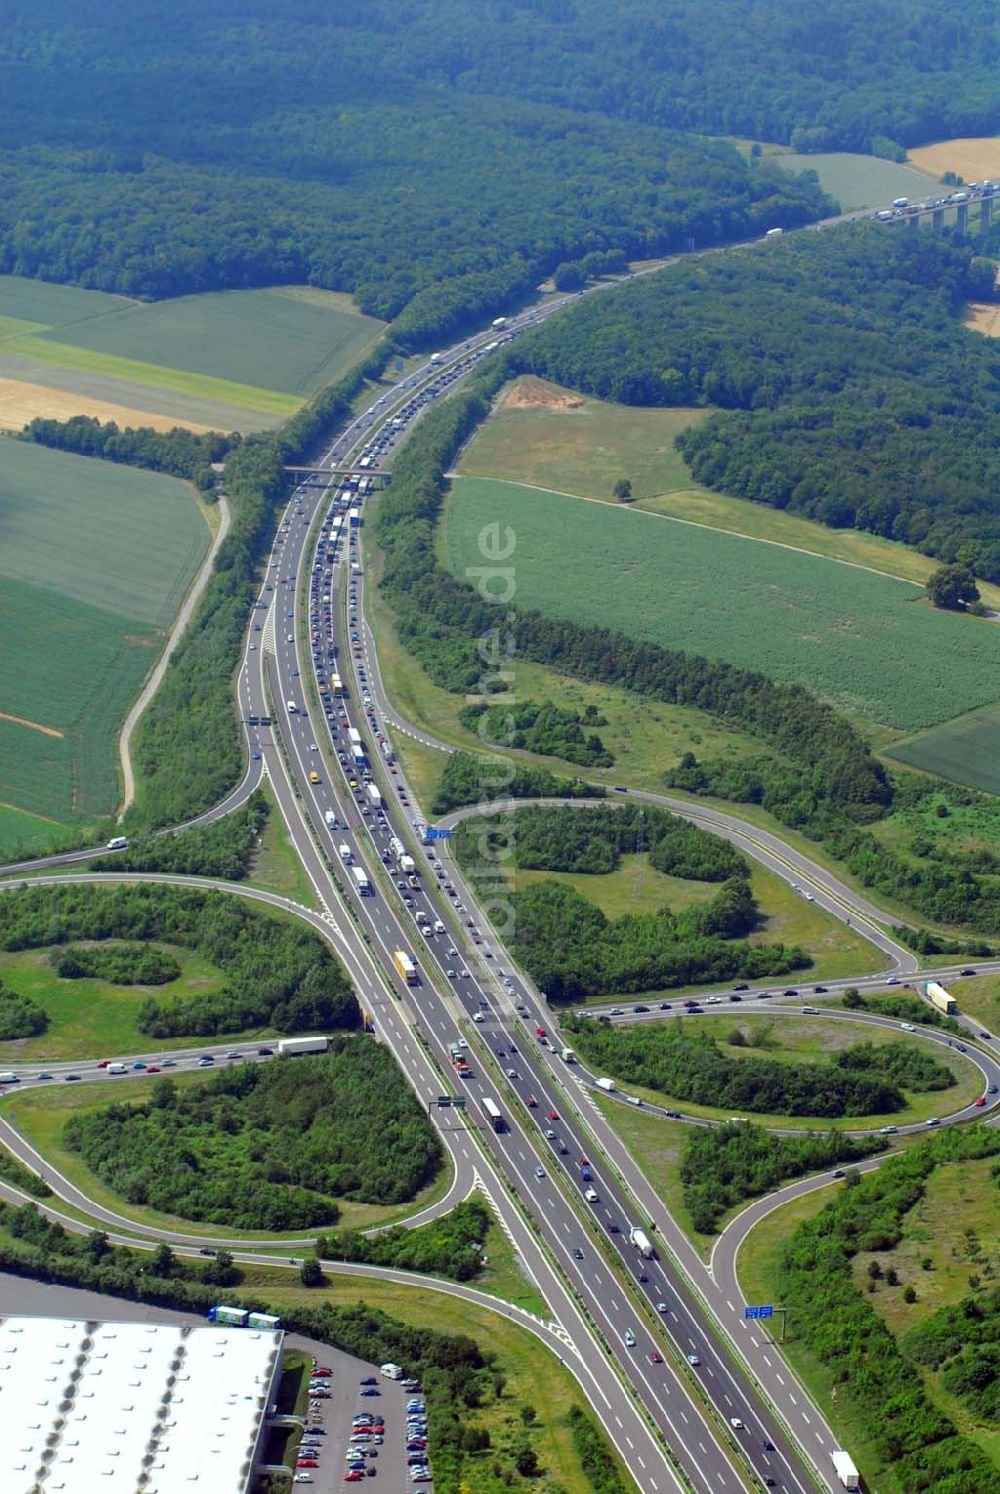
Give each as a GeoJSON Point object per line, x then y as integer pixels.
{"type": "Point", "coordinates": [939, 997]}
{"type": "Point", "coordinates": [405, 966]}
{"type": "Point", "coordinates": [396, 845]}
{"type": "Point", "coordinates": [354, 736]}
{"type": "Point", "coordinates": [374, 797]}
{"type": "Point", "coordinates": [420, 916]}
{"type": "Point", "coordinates": [387, 752]}
{"type": "Point", "coordinates": [642, 1242]}
{"type": "Point", "coordinates": [607, 1084]}
{"type": "Point", "coordinates": [568, 1056]}
{"type": "Point", "coordinates": [358, 757]}
{"type": "Point", "coordinates": [354, 518]}
{"type": "Point", "coordinates": [331, 819]}
{"type": "Point", "coordinates": [493, 1114]}
{"type": "Point", "coordinates": [843, 1467]}
{"type": "Point", "coordinates": [407, 865]}
{"type": "Point", "coordinates": [900, 202]}
{"type": "Point", "coordinates": [361, 881]}
{"type": "Point", "coordinates": [240, 1317]}
{"type": "Point", "coordinates": [498, 322]}
{"type": "Point", "coordinates": [344, 852]}
{"type": "Point", "coordinates": [774, 233]}
{"type": "Point", "coordinates": [291, 1046]}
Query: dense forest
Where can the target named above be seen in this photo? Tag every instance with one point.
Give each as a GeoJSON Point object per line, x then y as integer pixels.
{"type": "Point", "coordinates": [870, 1369]}
{"type": "Point", "coordinates": [278, 973]}
{"type": "Point", "coordinates": [724, 1165]}
{"type": "Point", "coordinates": [848, 388]}
{"type": "Point", "coordinates": [683, 1064]}
{"type": "Point", "coordinates": [290, 147]}
{"type": "Point", "coordinates": [268, 1146]}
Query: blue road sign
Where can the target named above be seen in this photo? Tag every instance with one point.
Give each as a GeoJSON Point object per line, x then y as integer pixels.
{"type": "Point", "coordinates": [758, 1312]}
{"type": "Point", "coordinates": [432, 834]}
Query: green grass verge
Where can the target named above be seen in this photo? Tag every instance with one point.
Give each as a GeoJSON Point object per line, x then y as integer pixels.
{"type": "Point", "coordinates": [657, 1147]}
{"type": "Point", "coordinates": [503, 1275]}
{"type": "Point", "coordinates": [868, 643]}
{"type": "Point", "coordinates": [532, 1374]}
{"type": "Point", "coordinates": [276, 865]}
{"type": "Point", "coordinates": [979, 998]}
{"type": "Point", "coordinates": [809, 1040]}
{"type": "Point", "coordinates": [40, 1117]}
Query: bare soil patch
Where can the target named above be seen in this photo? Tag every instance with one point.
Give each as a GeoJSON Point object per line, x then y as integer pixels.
{"type": "Point", "coordinates": [531, 393]}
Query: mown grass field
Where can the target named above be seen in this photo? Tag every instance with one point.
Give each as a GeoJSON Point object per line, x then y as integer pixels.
{"type": "Point", "coordinates": [30, 832]}
{"type": "Point", "coordinates": [94, 1018]}
{"type": "Point", "coordinates": [42, 1114]}
{"type": "Point", "coordinates": [965, 749]}
{"type": "Point", "coordinates": [868, 643]}
{"type": "Point", "coordinates": [810, 1040]}
{"type": "Point", "coordinates": [95, 562]}
{"type": "Point", "coordinates": [857, 181]}
{"type": "Point", "coordinates": [228, 359]}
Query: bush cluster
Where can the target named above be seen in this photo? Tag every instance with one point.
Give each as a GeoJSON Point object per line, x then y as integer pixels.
{"type": "Point", "coordinates": [121, 964]}
{"type": "Point", "coordinates": [20, 1016]}
{"type": "Point", "coordinates": [449, 1246]}
{"type": "Point", "coordinates": [223, 849]}
{"type": "Point", "coordinates": [469, 778]}
{"type": "Point", "coordinates": [540, 727]}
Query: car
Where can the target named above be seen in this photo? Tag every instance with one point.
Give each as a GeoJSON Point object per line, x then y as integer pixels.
{"type": "Point", "coordinates": [734, 997]}
{"type": "Point", "coordinates": [303, 1478]}
{"type": "Point", "coordinates": [662, 1307]}
{"type": "Point", "coordinates": [368, 1390]}
{"type": "Point", "coordinates": [207, 1250]}
{"type": "Point", "coordinates": [693, 1359]}
{"type": "Point", "coordinates": [966, 972]}
{"type": "Point", "coordinates": [138, 1064]}
{"type": "Point", "coordinates": [613, 1228]}
{"type": "Point", "coordinates": [838, 1172]}
{"type": "Point", "coordinates": [234, 1054]}
{"type": "Point", "coordinates": [618, 1011]}
{"type": "Point", "coordinates": [992, 1090]}
{"type": "Point", "coordinates": [673, 1114]}
{"type": "Point", "coordinates": [736, 1423]}
{"type": "Point", "coordinates": [353, 1476]}
{"type": "Point", "coordinates": [981, 1101]}
{"type": "Point", "coordinates": [655, 1357]}
{"type": "Point", "coordinates": [887, 1130]}
{"type": "Point", "coordinates": [577, 1253]}
{"type": "Point", "coordinates": [43, 1076]}
{"type": "Point", "coordinates": [511, 1073]}
{"type": "Point", "coordinates": [768, 1445]}
{"type": "Point", "coordinates": [933, 1120]}
{"type": "Point", "coordinates": [642, 1276]}
{"type": "Point", "coordinates": [71, 1078]}
{"type": "Point", "coordinates": [907, 1027]}
{"type": "Point", "coordinates": [368, 1380]}
{"type": "Point", "coordinates": [987, 1035]}
{"type": "Point", "coordinates": [531, 1102]}
{"type": "Point", "coordinates": [539, 1173]}
{"type": "Point", "coordinates": [741, 987]}
{"type": "Point", "coordinates": [265, 1052]}
{"type": "Point", "coordinates": [630, 1338]}
{"type": "Point", "coordinates": [552, 1115]}
{"type": "Point", "coordinates": [640, 1009]}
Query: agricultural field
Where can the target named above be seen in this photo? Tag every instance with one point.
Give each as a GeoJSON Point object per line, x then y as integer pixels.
{"type": "Point", "coordinates": [963, 750]}
{"type": "Point", "coordinates": [868, 643]}
{"type": "Point", "coordinates": [973, 158]}
{"type": "Point", "coordinates": [857, 181]}
{"type": "Point", "coordinates": [95, 563]}
{"type": "Point", "coordinates": [226, 360]}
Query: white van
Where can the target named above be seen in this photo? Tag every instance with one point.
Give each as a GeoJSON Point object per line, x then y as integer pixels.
{"type": "Point", "coordinates": [117, 843]}
{"type": "Point", "coordinates": [291, 707]}
{"type": "Point", "coordinates": [392, 1371]}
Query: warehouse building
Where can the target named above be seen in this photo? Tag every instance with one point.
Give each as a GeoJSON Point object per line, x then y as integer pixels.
{"type": "Point", "coordinates": [133, 1408]}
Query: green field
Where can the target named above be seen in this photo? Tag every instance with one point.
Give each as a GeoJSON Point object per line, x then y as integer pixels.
{"type": "Point", "coordinates": [868, 643]}
{"type": "Point", "coordinates": [857, 181]}
{"type": "Point", "coordinates": [94, 1018]}
{"type": "Point", "coordinates": [550, 437]}
{"type": "Point", "coordinates": [963, 750]}
{"type": "Point", "coordinates": [95, 562]}
{"type": "Point", "coordinates": [229, 358]}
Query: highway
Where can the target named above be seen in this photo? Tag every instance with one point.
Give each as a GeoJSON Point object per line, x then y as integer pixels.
{"type": "Point", "coordinates": [575, 1249]}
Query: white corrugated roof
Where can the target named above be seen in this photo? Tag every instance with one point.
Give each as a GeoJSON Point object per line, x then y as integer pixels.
{"type": "Point", "coordinates": [95, 1406]}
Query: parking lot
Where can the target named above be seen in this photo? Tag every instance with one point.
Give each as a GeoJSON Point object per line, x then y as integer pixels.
{"type": "Point", "coordinates": [359, 1429]}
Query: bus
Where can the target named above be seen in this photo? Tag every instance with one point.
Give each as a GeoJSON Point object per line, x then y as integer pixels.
{"type": "Point", "coordinates": [493, 1115]}
{"type": "Point", "coordinates": [337, 686]}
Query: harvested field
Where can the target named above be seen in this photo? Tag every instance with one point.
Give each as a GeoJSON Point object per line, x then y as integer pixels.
{"type": "Point", "coordinates": [983, 316]}
{"type": "Point", "coordinates": [973, 158]}
{"type": "Point", "coordinates": [21, 402]}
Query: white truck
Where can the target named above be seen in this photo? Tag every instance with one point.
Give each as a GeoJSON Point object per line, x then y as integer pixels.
{"type": "Point", "coordinates": [939, 997]}
{"type": "Point", "coordinates": [361, 881]}
{"type": "Point", "coordinates": [607, 1084]}
{"type": "Point", "coordinates": [568, 1056]}
{"type": "Point", "coordinates": [374, 797]}
{"type": "Point", "coordinates": [331, 819]}
{"type": "Point", "coordinates": [774, 233]}
{"type": "Point", "coordinates": [291, 1046]}
{"type": "Point", "coordinates": [498, 322]}
{"type": "Point", "coordinates": [642, 1242]}
{"type": "Point", "coordinates": [344, 852]}
{"type": "Point", "coordinates": [843, 1467]}
{"type": "Point", "coordinates": [354, 736]}
{"type": "Point", "coordinates": [407, 865]}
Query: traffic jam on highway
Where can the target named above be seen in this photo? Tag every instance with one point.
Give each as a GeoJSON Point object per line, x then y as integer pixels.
{"type": "Point", "coordinates": [358, 817]}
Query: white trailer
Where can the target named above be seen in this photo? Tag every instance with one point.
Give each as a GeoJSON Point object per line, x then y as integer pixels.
{"type": "Point", "coordinates": [939, 997]}
{"type": "Point", "coordinates": [407, 864]}
{"type": "Point", "coordinates": [607, 1084]}
{"type": "Point", "coordinates": [361, 881]}
{"type": "Point", "coordinates": [642, 1242]}
{"type": "Point", "coordinates": [568, 1056]}
{"type": "Point", "coordinates": [843, 1466]}
{"type": "Point", "coordinates": [291, 1046]}
{"type": "Point", "coordinates": [374, 797]}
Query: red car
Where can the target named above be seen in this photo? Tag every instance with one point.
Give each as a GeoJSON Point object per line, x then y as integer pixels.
{"type": "Point", "coordinates": [104, 1063]}
{"type": "Point", "coordinates": [540, 1032]}
{"type": "Point", "coordinates": [321, 1371]}
{"type": "Point", "coordinates": [532, 1102]}
{"type": "Point", "coordinates": [353, 1476]}
{"type": "Point", "coordinates": [152, 1068]}
{"type": "Point", "coordinates": [655, 1357]}
{"type": "Point", "coordinates": [553, 1115]}
{"type": "Point", "coordinates": [981, 1100]}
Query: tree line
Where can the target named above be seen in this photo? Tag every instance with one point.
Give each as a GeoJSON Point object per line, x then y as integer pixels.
{"type": "Point", "coordinates": [867, 1365]}
{"type": "Point", "coordinates": [846, 387]}
{"type": "Point", "coordinates": [451, 1245]}
{"type": "Point", "coordinates": [722, 1166]}
{"type": "Point", "coordinates": [468, 778]}
{"type": "Point", "coordinates": [178, 453]}
{"type": "Point", "coordinates": [267, 1146]}
{"type": "Point", "coordinates": [277, 973]}
{"type": "Point", "coordinates": [676, 1061]}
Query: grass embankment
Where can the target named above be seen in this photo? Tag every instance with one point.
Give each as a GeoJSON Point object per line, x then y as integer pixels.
{"type": "Point", "coordinates": [42, 1114]}
{"type": "Point", "coordinates": [276, 866]}
{"type": "Point", "coordinates": [979, 998]}
{"type": "Point", "coordinates": [810, 1040]}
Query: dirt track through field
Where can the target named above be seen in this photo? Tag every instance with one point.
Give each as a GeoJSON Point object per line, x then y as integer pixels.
{"type": "Point", "coordinates": [49, 731]}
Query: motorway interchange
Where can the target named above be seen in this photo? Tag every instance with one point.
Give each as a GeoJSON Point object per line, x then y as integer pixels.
{"type": "Point", "coordinates": [688, 1393]}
